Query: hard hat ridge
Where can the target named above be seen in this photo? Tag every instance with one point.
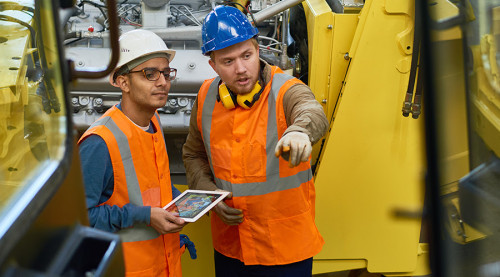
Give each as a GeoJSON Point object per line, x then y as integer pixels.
{"type": "Point", "coordinates": [225, 26]}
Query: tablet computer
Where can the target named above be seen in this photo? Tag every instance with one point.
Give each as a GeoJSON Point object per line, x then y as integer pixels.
{"type": "Point", "coordinates": [192, 204]}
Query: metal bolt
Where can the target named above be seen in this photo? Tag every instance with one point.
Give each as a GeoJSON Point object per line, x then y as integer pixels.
{"type": "Point", "coordinates": [323, 101]}
{"type": "Point", "coordinates": [192, 66]}
{"type": "Point", "coordinates": [74, 101]}
{"type": "Point", "coordinates": [172, 102]}
{"type": "Point", "coordinates": [329, 27]}
{"type": "Point", "coordinates": [84, 100]}
{"type": "Point", "coordinates": [183, 102]}
{"type": "Point", "coordinates": [346, 56]}
{"type": "Point", "coordinates": [98, 101]}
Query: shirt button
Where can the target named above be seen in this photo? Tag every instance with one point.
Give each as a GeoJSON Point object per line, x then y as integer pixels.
{"type": "Point", "coordinates": [156, 139]}
{"type": "Point", "coordinates": [237, 139]}
{"type": "Point", "coordinates": [234, 176]}
{"type": "Point", "coordinates": [168, 255]}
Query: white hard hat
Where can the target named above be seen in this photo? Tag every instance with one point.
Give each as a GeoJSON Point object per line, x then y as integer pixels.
{"type": "Point", "coordinates": [137, 44]}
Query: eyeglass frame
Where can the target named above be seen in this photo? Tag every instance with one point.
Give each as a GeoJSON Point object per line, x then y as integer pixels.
{"type": "Point", "coordinates": [162, 72]}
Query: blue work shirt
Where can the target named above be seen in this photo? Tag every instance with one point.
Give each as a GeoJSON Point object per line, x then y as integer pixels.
{"type": "Point", "coordinates": [99, 185]}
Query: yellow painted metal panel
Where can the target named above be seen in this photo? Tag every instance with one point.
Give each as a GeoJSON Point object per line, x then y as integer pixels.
{"type": "Point", "coordinates": [323, 266]}
{"type": "Point", "coordinates": [344, 28]}
{"type": "Point", "coordinates": [451, 88]}
{"type": "Point", "coordinates": [422, 269]}
{"type": "Point", "coordinates": [373, 162]}
{"type": "Point", "coordinates": [486, 101]}
{"type": "Point", "coordinates": [319, 33]}
{"type": "Point", "coordinates": [200, 234]}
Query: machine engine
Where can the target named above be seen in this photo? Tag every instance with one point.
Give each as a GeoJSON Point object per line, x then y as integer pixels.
{"type": "Point", "coordinates": [178, 22]}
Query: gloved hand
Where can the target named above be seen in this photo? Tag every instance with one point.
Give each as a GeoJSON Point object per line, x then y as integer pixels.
{"type": "Point", "coordinates": [299, 146]}
{"type": "Point", "coordinates": [228, 215]}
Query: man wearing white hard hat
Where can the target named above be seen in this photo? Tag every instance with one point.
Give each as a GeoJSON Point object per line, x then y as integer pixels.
{"type": "Point", "coordinates": [125, 164]}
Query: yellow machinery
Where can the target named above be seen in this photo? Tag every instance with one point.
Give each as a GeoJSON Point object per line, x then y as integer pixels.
{"type": "Point", "coordinates": [365, 65]}
{"type": "Point", "coordinates": [42, 205]}
{"type": "Point", "coordinates": [370, 172]}
{"type": "Point", "coordinates": [371, 169]}
{"type": "Point", "coordinates": [463, 81]}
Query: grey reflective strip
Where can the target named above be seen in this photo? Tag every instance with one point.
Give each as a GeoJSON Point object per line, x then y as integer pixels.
{"type": "Point", "coordinates": [273, 181]}
{"type": "Point", "coordinates": [272, 138]}
{"type": "Point", "coordinates": [137, 233]}
{"type": "Point", "coordinates": [134, 192]}
{"type": "Point", "coordinates": [206, 119]}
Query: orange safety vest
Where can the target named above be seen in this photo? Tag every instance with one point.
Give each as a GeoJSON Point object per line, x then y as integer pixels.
{"type": "Point", "coordinates": [141, 177]}
{"type": "Point", "coordinates": [277, 201]}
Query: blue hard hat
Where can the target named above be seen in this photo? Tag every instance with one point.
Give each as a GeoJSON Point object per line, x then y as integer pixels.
{"type": "Point", "coordinates": [225, 26]}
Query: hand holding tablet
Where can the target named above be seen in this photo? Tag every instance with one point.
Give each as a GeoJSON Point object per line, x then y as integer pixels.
{"type": "Point", "coordinates": [192, 204]}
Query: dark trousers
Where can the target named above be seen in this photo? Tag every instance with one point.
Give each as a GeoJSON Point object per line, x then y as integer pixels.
{"type": "Point", "coordinates": [229, 267]}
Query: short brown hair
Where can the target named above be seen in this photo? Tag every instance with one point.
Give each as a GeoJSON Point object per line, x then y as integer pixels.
{"type": "Point", "coordinates": [254, 42]}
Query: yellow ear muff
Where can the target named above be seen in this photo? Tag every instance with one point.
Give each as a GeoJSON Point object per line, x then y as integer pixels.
{"type": "Point", "coordinates": [226, 97]}
{"type": "Point", "coordinates": [247, 100]}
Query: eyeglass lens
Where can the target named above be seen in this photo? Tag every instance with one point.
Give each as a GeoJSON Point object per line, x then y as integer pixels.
{"type": "Point", "coordinates": [153, 74]}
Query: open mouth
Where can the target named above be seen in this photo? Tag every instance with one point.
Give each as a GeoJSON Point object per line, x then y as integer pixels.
{"type": "Point", "coordinates": [243, 81]}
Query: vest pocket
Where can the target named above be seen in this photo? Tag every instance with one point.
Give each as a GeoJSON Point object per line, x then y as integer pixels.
{"type": "Point", "coordinates": [221, 158]}
{"type": "Point", "coordinates": [295, 238]}
{"type": "Point", "coordinates": [254, 160]}
{"type": "Point", "coordinates": [144, 258]}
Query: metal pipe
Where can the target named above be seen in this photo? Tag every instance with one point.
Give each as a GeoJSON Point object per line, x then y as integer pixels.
{"type": "Point", "coordinates": [115, 47]}
{"type": "Point", "coordinates": [274, 9]}
{"type": "Point", "coordinates": [190, 32]}
{"type": "Point", "coordinates": [179, 33]}
{"type": "Point", "coordinates": [284, 40]}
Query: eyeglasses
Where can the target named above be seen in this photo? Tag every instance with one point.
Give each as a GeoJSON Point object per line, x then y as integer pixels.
{"type": "Point", "coordinates": [153, 74]}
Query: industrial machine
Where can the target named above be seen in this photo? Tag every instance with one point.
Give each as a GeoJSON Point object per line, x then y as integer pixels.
{"type": "Point", "coordinates": [393, 137]}
{"type": "Point", "coordinates": [43, 224]}
{"type": "Point", "coordinates": [463, 173]}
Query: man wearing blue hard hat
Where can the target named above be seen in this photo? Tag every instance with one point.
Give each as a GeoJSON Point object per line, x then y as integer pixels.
{"type": "Point", "coordinates": [251, 133]}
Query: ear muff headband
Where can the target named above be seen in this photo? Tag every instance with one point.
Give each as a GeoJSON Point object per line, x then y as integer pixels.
{"type": "Point", "coordinates": [229, 100]}
{"type": "Point", "coordinates": [247, 100]}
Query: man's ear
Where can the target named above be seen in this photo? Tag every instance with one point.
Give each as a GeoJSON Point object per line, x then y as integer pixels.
{"type": "Point", "coordinates": [123, 83]}
{"type": "Point", "coordinates": [212, 64]}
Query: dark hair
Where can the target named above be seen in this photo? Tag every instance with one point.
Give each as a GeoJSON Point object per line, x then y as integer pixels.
{"type": "Point", "coordinates": [120, 71]}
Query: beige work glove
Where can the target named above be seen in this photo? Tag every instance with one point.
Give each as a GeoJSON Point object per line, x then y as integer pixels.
{"type": "Point", "coordinates": [294, 147]}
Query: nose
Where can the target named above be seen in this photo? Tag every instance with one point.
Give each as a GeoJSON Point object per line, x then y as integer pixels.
{"type": "Point", "coordinates": [162, 80]}
{"type": "Point", "coordinates": [240, 66]}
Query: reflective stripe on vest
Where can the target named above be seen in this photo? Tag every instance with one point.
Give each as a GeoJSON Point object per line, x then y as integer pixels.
{"type": "Point", "coordinates": [273, 181]}
{"type": "Point", "coordinates": [139, 232]}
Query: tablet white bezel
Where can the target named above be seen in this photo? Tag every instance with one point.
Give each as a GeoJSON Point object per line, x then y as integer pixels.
{"type": "Point", "coordinates": [220, 196]}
